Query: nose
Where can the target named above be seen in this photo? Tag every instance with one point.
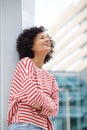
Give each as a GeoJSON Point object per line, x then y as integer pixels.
{"type": "Point", "coordinates": [47, 40]}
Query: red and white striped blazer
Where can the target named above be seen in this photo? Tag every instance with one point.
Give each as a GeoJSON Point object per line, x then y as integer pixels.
{"type": "Point", "coordinates": [30, 87]}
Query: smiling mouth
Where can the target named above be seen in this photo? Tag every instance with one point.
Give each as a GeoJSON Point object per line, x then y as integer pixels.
{"type": "Point", "coordinates": [47, 45]}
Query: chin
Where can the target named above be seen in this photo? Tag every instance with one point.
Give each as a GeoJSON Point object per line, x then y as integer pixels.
{"type": "Point", "coordinates": [47, 51]}
{"type": "Point", "coordinates": [48, 48]}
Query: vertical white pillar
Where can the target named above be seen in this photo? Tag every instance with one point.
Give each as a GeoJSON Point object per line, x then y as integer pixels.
{"type": "Point", "coordinates": [28, 13]}
{"type": "Point", "coordinates": [67, 110]}
{"type": "Point", "coordinates": [10, 27]}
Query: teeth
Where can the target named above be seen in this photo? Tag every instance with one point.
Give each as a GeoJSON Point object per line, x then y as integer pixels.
{"type": "Point", "coordinates": [47, 45]}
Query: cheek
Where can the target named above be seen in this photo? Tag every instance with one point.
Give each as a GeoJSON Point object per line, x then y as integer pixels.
{"type": "Point", "coordinates": [37, 47]}
{"type": "Point", "coordinates": [40, 47]}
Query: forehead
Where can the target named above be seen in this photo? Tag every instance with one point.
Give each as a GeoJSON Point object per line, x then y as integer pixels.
{"type": "Point", "coordinates": [43, 34]}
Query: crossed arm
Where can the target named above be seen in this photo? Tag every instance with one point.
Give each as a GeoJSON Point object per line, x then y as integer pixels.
{"type": "Point", "coordinates": [33, 95]}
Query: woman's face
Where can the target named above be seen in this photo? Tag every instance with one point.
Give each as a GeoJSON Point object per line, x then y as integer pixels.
{"type": "Point", "coordinates": [42, 44]}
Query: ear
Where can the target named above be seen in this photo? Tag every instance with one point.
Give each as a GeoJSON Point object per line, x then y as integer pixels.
{"type": "Point", "coordinates": [32, 49]}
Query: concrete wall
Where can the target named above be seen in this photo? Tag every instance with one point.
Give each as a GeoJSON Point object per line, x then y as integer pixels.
{"type": "Point", "coordinates": [10, 27]}
{"type": "Point", "coordinates": [11, 24]}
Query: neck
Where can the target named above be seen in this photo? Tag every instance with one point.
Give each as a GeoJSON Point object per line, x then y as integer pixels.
{"type": "Point", "coordinates": [38, 61]}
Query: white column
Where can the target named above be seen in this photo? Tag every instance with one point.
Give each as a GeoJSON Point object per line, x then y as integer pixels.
{"type": "Point", "coordinates": [28, 13]}
{"type": "Point", "coordinates": [11, 12]}
{"type": "Point", "coordinates": [67, 110]}
{"type": "Point", "coordinates": [10, 27]}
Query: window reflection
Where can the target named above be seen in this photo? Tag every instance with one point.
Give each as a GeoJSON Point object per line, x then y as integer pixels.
{"type": "Point", "coordinates": [73, 104]}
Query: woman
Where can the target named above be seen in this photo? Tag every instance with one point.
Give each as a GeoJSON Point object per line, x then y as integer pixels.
{"type": "Point", "coordinates": [34, 91]}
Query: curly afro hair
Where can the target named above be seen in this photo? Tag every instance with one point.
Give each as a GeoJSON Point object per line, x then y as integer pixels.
{"type": "Point", "coordinates": [25, 43]}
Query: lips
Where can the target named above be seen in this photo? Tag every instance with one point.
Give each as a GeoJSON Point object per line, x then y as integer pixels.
{"type": "Point", "coordinates": [47, 44]}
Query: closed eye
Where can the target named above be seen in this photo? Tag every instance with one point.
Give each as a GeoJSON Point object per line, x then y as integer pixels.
{"type": "Point", "coordinates": [41, 37]}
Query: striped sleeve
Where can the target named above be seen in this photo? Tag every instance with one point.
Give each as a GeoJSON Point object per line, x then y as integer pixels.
{"type": "Point", "coordinates": [32, 94]}
{"type": "Point", "coordinates": [53, 101]}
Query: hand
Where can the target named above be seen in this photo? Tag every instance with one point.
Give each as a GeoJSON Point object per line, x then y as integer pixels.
{"type": "Point", "coordinates": [38, 108]}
